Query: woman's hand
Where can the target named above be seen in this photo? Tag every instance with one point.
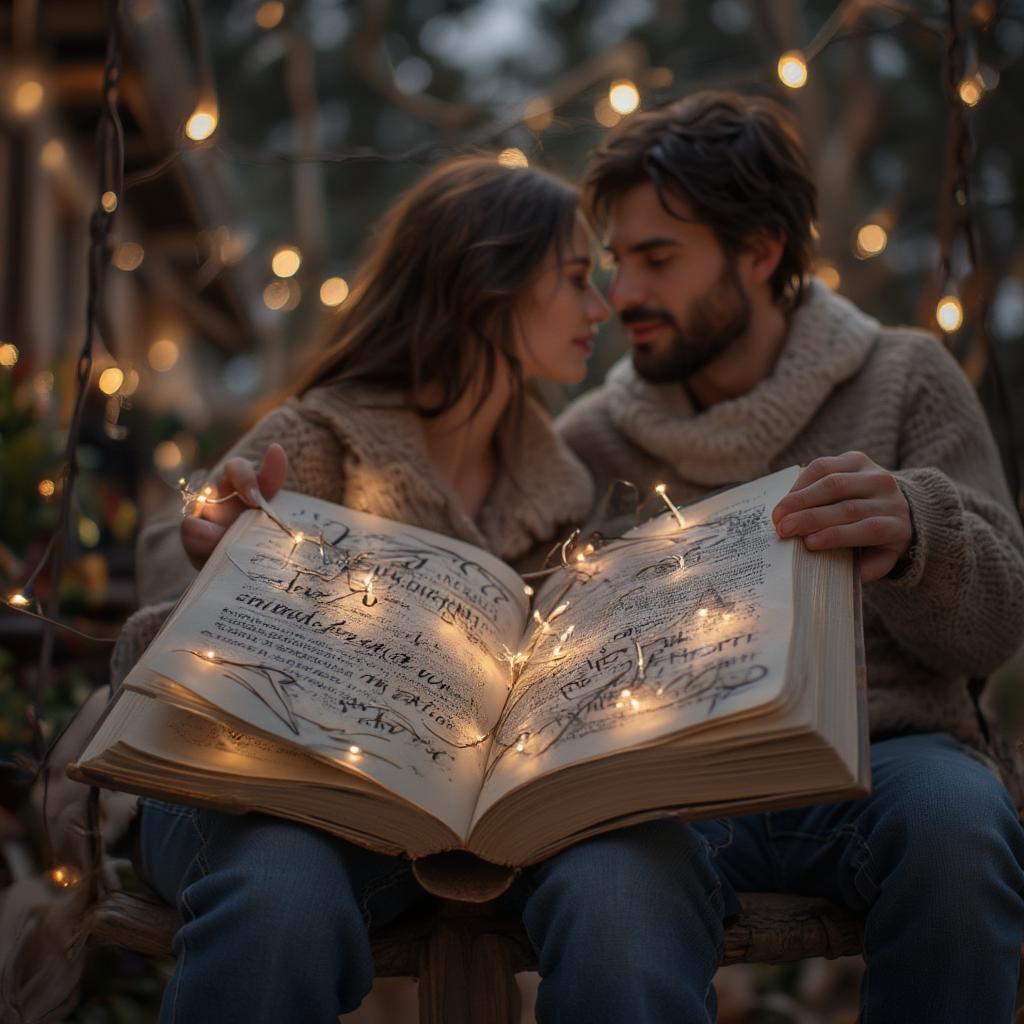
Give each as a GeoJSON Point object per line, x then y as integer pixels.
{"type": "Point", "coordinates": [201, 533]}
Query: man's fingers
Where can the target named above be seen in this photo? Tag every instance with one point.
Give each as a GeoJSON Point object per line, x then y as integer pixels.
{"type": "Point", "coordinates": [877, 531]}
{"type": "Point", "coordinates": [848, 462]}
{"type": "Point", "coordinates": [833, 488]}
{"type": "Point", "coordinates": [850, 510]}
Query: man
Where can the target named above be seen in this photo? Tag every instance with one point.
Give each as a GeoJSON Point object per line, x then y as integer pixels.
{"type": "Point", "coordinates": [740, 366]}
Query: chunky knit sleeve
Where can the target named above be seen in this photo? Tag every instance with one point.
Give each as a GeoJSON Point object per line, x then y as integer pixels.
{"type": "Point", "coordinates": [957, 603]}
{"type": "Point", "coordinates": [315, 466]}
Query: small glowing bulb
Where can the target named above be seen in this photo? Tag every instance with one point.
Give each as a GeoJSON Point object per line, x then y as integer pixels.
{"type": "Point", "coordinates": [8, 354]}
{"type": "Point", "coordinates": [110, 380]}
{"type": "Point", "coordinates": [513, 157]}
{"type": "Point", "coordinates": [46, 488]}
{"type": "Point", "coordinates": [202, 123]}
{"type": "Point", "coordinates": [626, 694]}
{"type": "Point", "coordinates": [702, 612]}
{"type": "Point", "coordinates": [334, 291]}
{"type": "Point", "coordinates": [660, 490]}
{"type": "Point", "coordinates": [201, 499]}
{"type": "Point", "coordinates": [727, 616]}
{"type": "Point", "coordinates": [299, 537]}
{"type": "Point", "coordinates": [181, 481]}
{"type": "Point", "coordinates": [521, 742]}
{"type": "Point", "coordinates": [210, 655]}
{"type": "Point", "coordinates": [286, 261]}
{"type": "Point", "coordinates": [635, 704]}
{"type": "Point", "coordinates": [949, 313]}
{"type": "Point", "coordinates": [792, 69]}
{"type": "Point", "coordinates": [528, 590]}
{"type": "Point", "coordinates": [19, 600]}
{"type": "Point", "coordinates": [207, 490]}
{"type": "Point", "coordinates": [581, 557]}
{"type": "Point", "coordinates": [65, 876]}
{"type": "Point", "coordinates": [623, 97]}
{"type": "Point", "coordinates": [871, 240]}
{"type": "Point", "coordinates": [589, 549]}
{"type": "Point", "coordinates": [108, 201]}
{"type": "Point", "coordinates": [355, 750]}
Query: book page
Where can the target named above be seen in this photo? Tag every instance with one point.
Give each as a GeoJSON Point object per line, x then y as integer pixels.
{"type": "Point", "coordinates": [668, 629]}
{"type": "Point", "coordinates": [377, 644]}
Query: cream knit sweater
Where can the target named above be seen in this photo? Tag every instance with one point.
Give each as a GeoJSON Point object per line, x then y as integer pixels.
{"type": "Point", "coordinates": [844, 383]}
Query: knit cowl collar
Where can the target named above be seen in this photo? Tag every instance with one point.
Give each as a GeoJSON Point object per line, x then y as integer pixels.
{"type": "Point", "coordinates": [737, 439]}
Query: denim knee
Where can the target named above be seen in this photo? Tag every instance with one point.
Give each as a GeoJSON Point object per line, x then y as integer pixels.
{"type": "Point", "coordinates": [626, 882]}
{"type": "Point", "coordinates": [951, 824]}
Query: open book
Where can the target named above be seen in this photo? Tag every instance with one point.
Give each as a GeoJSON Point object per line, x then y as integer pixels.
{"type": "Point", "coordinates": [403, 690]}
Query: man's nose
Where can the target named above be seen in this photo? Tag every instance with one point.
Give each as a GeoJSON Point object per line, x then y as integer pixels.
{"type": "Point", "coordinates": [625, 291]}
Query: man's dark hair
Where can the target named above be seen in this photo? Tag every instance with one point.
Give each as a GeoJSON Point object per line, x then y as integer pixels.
{"type": "Point", "coordinates": [737, 160]}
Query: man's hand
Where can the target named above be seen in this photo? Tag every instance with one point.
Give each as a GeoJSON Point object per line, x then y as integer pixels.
{"type": "Point", "coordinates": [848, 501]}
{"type": "Point", "coordinates": [201, 533]}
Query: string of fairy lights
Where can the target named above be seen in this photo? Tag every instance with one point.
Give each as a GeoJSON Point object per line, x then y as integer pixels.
{"type": "Point", "coordinates": [966, 88]}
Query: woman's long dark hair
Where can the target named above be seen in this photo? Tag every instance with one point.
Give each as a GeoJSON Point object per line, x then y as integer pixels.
{"type": "Point", "coordinates": [432, 303]}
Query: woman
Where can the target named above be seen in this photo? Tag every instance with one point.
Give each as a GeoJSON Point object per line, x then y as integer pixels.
{"type": "Point", "coordinates": [477, 284]}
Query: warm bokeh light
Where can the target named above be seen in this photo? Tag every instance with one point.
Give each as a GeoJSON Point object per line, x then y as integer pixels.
{"type": "Point", "coordinates": [792, 69]}
{"type": "Point", "coordinates": [537, 114]}
{"type": "Point", "coordinates": [52, 155]}
{"type": "Point", "coordinates": [513, 157]}
{"type": "Point", "coordinates": [871, 240]}
{"type": "Point", "coordinates": [167, 455]}
{"type": "Point", "coordinates": [8, 354]}
{"type": "Point", "coordinates": [623, 96]}
{"type": "Point", "coordinates": [109, 201]}
{"type": "Point", "coordinates": [88, 532]}
{"type": "Point", "coordinates": [971, 91]}
{"type": "Point", "coordinates": [334, 291]}
{"type": "Point", "coordinates": [128, 256]}
{"type": "Point", "coordinates": [661, 78]}
{"type": "Point", "coordinates": [604, 114]}
{"type": "Point", "coordinates": [131, 382]}
{"type": "Point", "coordinates": [163, 354]}
{"type": "Point", "coordinates": [275, 295]}
{"type": "Point", "coordinates": [18, 600]}
{"type": "Point", "coordinates": [111, 379]}
{"type": "Point", "coordinates": [46, 488]}
{"type": "Point", "coordinates": [27, 97]}
{"type": "Point", "coordinates": [286, 261]}
{"type": "Point", "coordinates": [202, 123]}
{"type": "Point", "coordinates": [828, 274]}
{"type": "Point", "coordinates": [270, 14]}
{"type": "Point", "coordinates": [949, 313]}
{"type": "Point", "coordinates": [65, 876]}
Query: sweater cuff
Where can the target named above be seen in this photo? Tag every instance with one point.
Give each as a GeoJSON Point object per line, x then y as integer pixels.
{"type": "Point", "coordinates": [935, 518]}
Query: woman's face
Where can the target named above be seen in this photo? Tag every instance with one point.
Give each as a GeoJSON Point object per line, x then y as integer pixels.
{"type": "Point", "coordinates": [556, 318]}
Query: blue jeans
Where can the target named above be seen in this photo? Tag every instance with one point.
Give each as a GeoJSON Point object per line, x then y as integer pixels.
{"type": "Point", "coordinates": [628, 926]}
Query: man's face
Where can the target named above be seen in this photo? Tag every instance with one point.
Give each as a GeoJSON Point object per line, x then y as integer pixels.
{"type": "Point", "coordinates": [677, 292]}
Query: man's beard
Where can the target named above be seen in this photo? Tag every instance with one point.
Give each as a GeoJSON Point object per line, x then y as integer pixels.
{"type": "Point", "coordinates": [716, 320]}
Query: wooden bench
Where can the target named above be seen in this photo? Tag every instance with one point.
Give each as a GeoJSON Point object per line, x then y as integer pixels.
{"type": "Point", "coordinates": [465, 957]}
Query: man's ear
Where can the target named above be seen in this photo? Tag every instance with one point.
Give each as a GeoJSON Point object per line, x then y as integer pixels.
{"type": "Point", "coordinates": [763, 250]}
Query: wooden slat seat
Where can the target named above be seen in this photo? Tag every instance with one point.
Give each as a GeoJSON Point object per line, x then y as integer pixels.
{"type": "Point", "coordinates": [465, 955]}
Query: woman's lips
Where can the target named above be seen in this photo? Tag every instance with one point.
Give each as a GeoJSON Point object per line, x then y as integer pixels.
{"type": "Point", "coordinates": [585, 343]}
